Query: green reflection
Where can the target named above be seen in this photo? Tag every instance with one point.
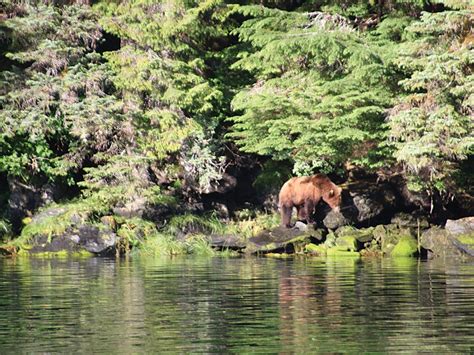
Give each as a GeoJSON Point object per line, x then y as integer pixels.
{"type": "Point", "coordinates": [184, 304]}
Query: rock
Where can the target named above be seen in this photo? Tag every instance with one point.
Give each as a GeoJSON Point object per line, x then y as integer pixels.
{"type": "Point", "coordinates": [224, 185]}
{"type": "Point", "coordinates": [367, 202]}
{"type": "Point", "coordinates": [409, 220]}
{"type": "Point", "coordinates": [317, 234]}
{"type": "Point", "coordinates": [387, 236]}
{"type": "Point", "coordinates": [406, 246]}
{"type": "Point", "coordinates": [221, 210]}
{"type": "Point", "coordinates": [48, 213]}
{"type": "Point", "coordinates": [88, 238]}
{"type": "Point", "coordinates": [461, 234]}
{"type": "Point", "coordinates": [233, 242]}
{"type": "Point", "coordinates": [347, 242]}
{"type": "Point", "coordinates": [335, 220]}
{"type": "Point", "coordinates": [367, 207]}
{"type": "Point", "coordinates": [363, 235]}
{"type": "Point", "coordinates": [97, 241]}
{"type": "Point", "coordinates": [135, 208]}
{"type": "Point", "coordinates": [338, 251]}
{"type": "Point", "coordinates": [62, 243]}
{"type": "Point", "coordinates": [379, 233]}
{"type": "Point", "coordinates": [109, 221]}
{"type": "Point", "coordinates": [465, 243]}
{"type": "Point", "coordinates": [330, 240]}
{"type": "Point", "coordinates": [460, 226]}
{"type": "Point", "coordinates": [302, 227]}
{"type": "Point", "coordinates": [279, 239]}
{"type": "Point", "coordinates": [437, 242]}
{"type": "Point", "coordinates": [314, 249]}
{"type": "Point", "coordinates": [24, 199]}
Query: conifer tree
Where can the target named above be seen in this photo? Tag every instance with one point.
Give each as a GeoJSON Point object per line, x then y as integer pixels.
{"type": "Point", "coordinates": [432, 123]}
{"type": "Point", "coordinates": [320, 93]}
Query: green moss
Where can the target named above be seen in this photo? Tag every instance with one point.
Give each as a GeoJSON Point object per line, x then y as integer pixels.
{"type": "Point", "coordinates": [56, 254]}
{"type": "Point", "coordinates": [278, 255]}
{"type": "Point", "coordinates": [227, 253]}
{"type": "Point", "coordinates": [82, 254]}
{"type": "Point", "coordinates": [406, 246]}
{"type": "Point", "coordinates": [347, 243]}
{"type": "Point", "coordinates": [315, 249]}
{"type": "Point", "coordinates": [341, 251]}
{"type": "Point", "coordinates": [50, 226]}
{"type": "Point", "coordinates": [467, 239]}
{"type": "Point", "coordinates": [26, 220]}
{"type": "Point", "coordinates": [330, 240]}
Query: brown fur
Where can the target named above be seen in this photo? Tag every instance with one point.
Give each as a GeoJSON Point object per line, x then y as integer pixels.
{"type": "Point", "coordinates": [304, 193]}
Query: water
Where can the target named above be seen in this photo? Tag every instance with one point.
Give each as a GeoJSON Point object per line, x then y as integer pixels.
{"type": "Point", "coordinates": [235, 305]}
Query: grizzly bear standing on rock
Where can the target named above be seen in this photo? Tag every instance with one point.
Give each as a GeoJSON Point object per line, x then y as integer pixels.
{"type": "Point", "coordinates": [304, 193]}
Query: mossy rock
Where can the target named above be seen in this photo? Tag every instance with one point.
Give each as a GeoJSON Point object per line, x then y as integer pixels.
{"type": "Point", "coordinates": [347, 242]}
{"type": "Point", "coordinates": [330, 240]}
{"type": "Point", "coordinates": [467, 239]}
{"type": "Point", "coordinates": [407, 246]}
{"type": "Point", "coordinates": [363, 235]}
{"type": "Point", "coordinates": [407, 220]}
{"type": "Point", "coordinates": [279, 240]}
{"type": "Point", "coordinates": [379, 232]}
{"type": "Point", "coordinates": [464, 243]}
{"type": "Point", "coordinates": [341, 251]}
{"type": "Point", "coordinates": [278, 255]}
{"type": "Point", "coordinates": [319, 250]}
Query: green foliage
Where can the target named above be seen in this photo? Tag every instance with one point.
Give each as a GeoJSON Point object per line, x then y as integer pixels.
{"type": "Point", "coordinates": [272, 177]}
{"type": "Point", "coordinates": [5, 229]}
{"type": "Point", "coordinates": [194, 224]}
{"type": "Point", "coordinates": [306, 86]}
{"type": "Point", "coordinates": [432, 125]}
{"type": "Point", "coordinates": [167, 72]}
{"type": "Point", "coordinates": [51, 110]}
{"type": "Point", "coordinates": [320, 92]}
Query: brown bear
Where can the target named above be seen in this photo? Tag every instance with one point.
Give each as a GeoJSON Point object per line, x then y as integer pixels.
{"type": "Point", "coordinates": [304, 193]}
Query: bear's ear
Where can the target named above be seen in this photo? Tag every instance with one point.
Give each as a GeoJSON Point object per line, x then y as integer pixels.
{"type": "Point", "coordinates": [331, 193]}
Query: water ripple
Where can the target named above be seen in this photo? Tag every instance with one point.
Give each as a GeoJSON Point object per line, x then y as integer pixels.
{"type": "Point", "coordinates": [236, 305]}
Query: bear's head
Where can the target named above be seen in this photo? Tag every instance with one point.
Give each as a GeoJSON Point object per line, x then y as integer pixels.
{"type": "Point", "coordinates": [330, 192]}
{"type": "Point", "coordinates": [333, 197]}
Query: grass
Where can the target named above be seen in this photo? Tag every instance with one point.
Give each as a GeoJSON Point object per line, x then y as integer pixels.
{"type": "Point", "coordinates": [252, 226]}
{"type": "Point", "coordinates": [191, 223]}
{"type": "Point", "coordinates": [141, 235]}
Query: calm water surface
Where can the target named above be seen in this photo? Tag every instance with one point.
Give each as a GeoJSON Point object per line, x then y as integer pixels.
{"type": "Point", "coordinates": [235, 305]}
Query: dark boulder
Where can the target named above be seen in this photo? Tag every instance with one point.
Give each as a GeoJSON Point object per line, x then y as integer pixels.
{"type": "Point", "coordinates": [334, 220]}
{"type": "Point", "coordinates": [99, 241]}
{"type": "Point", "coordinates": [230, 241]}
{"type": "Point", "coordinates": [24, 199]}
{"type": "Point", "coordinates": [436, 241]}
{"type": "Point", "coordinates": [364, 203]}
{"type": "Point", "coordinates": [279, 240]}
{"type": "Point", "coordinates": [410, 220]}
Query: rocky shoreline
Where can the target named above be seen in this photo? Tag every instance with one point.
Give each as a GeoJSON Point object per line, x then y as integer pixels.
{"type": "Point", "coordinates": [404, 236]}
{"type": "Point", "coordinates": [377, 218]}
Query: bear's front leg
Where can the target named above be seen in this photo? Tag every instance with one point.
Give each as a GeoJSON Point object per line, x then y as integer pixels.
{"type": "Point", "coordinates": [301, 213]}
{"type": "Point", "coordinates": [309, 209]}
